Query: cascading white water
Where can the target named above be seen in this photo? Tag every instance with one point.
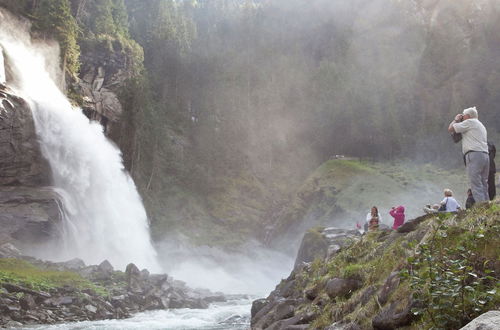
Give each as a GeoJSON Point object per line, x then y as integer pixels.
{"type": "Point", "coordinates": [105, 217]}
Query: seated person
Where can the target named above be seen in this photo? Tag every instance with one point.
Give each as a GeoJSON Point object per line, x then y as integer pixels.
{"type": "Point", "coordinates": [449, 204]}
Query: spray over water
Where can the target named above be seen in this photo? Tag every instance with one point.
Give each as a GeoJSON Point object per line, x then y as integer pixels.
{"type": "Point", "coordinates": [104, 215]}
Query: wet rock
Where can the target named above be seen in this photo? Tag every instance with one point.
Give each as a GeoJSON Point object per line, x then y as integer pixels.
{"type": "Point", "coordinates": [339, 287]}
{"type": "Point", "coordinates": [257, 305]}
{"type": "Point", "coordinates": [487, 321]}
{"type": "Point", "coordinates": [133, 276]}
{"type": "Point", "coordinates": [263, 317]}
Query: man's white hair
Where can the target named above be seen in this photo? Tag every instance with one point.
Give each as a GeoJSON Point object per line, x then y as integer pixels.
{"type": "Point", "coordinates": [472, 112]}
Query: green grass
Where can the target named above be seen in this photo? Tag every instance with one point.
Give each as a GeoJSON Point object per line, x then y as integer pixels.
{"type": "Point", "coordinates": [20, 272]}
{"type": "Point", "coordinates": [376, 255]}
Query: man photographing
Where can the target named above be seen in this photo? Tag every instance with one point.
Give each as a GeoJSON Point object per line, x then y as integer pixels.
{"type": "Point", "coordinates": [475, 151]}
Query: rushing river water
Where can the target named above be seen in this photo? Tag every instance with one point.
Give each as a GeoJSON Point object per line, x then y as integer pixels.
{"type": "Point", "coordinates": [231, 315]}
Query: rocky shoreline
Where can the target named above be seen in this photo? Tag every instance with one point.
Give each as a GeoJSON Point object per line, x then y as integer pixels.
{"type": "Point", "coordinates": [115, 295]}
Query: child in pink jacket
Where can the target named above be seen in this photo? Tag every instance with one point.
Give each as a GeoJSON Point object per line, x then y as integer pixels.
{"type": "Point", "coordinates": [398, 213]}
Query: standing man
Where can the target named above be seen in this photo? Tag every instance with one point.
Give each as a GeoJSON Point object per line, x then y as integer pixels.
{"type": "Point", "coordinates": [475, 151]}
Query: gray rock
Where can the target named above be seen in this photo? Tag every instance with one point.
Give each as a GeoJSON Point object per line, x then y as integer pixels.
{"type": "Point", "coordinates": [133, 275]}
{"type": "Point", "coordinates": [257, 305]}
{"type": "Point", "coordinates": [339, 287]}
{"type": "Point", "coordinates": [285, 309]}
{"type": "Point", "coordinates": [13, 324]}
{"type": "Point", "coordinates": [487, 321]}
{"type": "Point", "coordinates": [8, 250]}
{"type": "Point", "coordinates": [28, 215]}
{"type": "Point", "coordinates": [27, 302]}
{"type": "Point", "coordinates": [90, 308]}
{"type": "Point", "coordinates": [105, 267]}
{"type": "Point", "coordinates": [73, 264]}
{"type": "Point", "coordinates": [144, 275]}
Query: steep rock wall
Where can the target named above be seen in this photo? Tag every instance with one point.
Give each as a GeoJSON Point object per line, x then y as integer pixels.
{"type": "Point", "coordinates": [29, 211]}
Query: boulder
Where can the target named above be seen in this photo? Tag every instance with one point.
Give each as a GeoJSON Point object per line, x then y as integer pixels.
{"type": "Point", "coordinates": [487, 321]}
{"type": "Point", "coordinates": [105, 266]}
{"type": "Point", "coordinates": [91, 309]}
{"type": "Point", "coordinates": [133, 276]}
{"type": "Point", "coordinates": [339, 287]}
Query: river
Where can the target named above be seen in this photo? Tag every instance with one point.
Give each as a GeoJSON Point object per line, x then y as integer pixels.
{"type": "Point", "coordinates": [231, 315]}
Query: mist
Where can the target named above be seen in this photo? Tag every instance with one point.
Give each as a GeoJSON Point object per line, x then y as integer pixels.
{"type": "Point", "coordinates": [255, 272]}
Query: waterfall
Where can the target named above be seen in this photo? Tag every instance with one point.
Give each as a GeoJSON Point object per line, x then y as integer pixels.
{"type": "Point", "coordinates": [104, 215]}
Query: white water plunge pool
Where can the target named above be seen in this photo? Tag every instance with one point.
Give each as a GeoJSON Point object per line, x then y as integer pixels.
{"type": "Point", "coordinates": [231, 315]}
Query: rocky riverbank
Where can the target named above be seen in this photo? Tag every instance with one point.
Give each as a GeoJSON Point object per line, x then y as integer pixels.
{"type": "Point", "coordinates": [40, 292]}
{"type": "Point", "coordinates": [387, 279]}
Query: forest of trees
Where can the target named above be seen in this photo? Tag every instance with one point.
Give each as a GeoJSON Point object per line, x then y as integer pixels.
{"type": "Point", "coordinates": [275, 87]}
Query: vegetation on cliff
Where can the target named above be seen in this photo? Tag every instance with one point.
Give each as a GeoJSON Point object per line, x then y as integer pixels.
{"type": "Point", "coordinates": [435, 272]}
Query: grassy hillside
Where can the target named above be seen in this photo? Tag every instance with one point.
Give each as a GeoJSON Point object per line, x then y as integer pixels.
{"type": "Point", "coordinates": [341, 192]}
{"type": "Point", "coordinates": [440, 273]}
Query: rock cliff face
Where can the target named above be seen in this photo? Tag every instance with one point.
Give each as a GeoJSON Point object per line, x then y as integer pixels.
{"type": "Point", "coordinates": [21, 162]}
{"type": "Point", "coordinates": [104, 70]}
{"type": "Point", "coordinates": [29, 211]}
